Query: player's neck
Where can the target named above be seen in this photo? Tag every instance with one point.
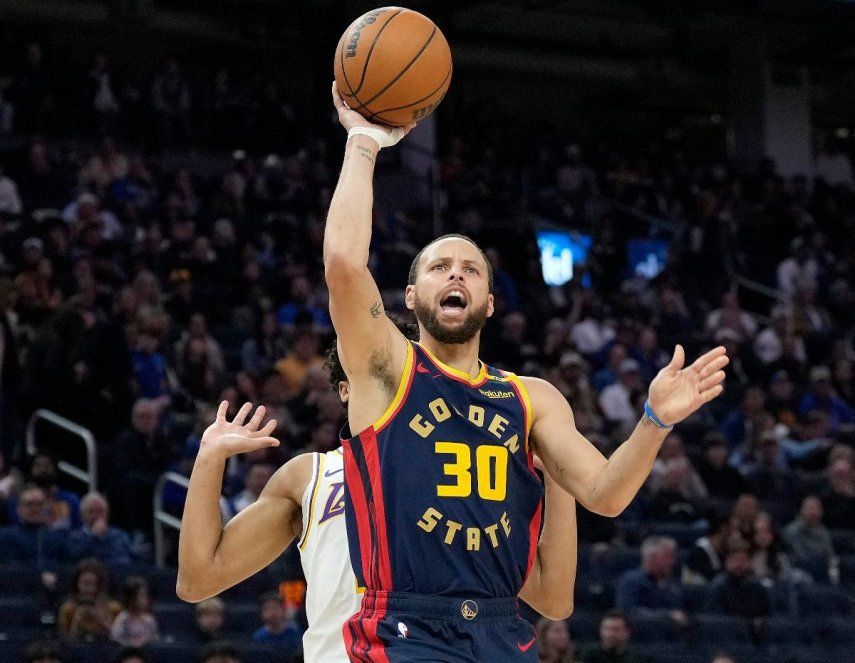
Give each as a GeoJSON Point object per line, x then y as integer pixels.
{"type": "Point", "coordinates": [461, 356]}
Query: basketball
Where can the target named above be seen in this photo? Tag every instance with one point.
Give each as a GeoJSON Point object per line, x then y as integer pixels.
{"type": "Point", "coordinates": [393, 66]}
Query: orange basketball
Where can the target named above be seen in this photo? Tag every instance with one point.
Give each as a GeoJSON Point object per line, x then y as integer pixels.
{"type": "Point", "coordinates": [393, 66]}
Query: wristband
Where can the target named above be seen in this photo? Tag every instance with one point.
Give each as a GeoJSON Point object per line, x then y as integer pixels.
{"type": "Point", "coordinates": [653, 418]}
{"type": "Point", "coordinates": [383, 137]}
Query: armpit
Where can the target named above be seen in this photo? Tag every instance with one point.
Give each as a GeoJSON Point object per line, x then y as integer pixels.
{"type": "Point", "coordinates": [379, 367]}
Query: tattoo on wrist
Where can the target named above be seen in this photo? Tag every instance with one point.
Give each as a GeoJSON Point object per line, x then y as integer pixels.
{"type": "Point", "coordinates": [376, 310]}
{"type": "Point", "coordinates": [366, 152]}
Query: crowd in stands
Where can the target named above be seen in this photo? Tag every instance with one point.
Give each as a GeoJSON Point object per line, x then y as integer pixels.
{"type": "Point", "coordinates": [137, 292]}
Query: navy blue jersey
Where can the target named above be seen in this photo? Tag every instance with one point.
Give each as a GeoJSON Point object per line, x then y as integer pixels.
{"type": "Point", "coordinates": [441, 495]}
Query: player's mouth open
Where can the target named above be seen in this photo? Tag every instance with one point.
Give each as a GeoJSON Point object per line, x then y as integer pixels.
{"type": "Point", "coordinates": [453, 302]}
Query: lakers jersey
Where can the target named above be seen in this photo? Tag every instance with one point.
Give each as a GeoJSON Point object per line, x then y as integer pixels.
{"type": "Point", "coordinates": [441, 493]}
{"type": "Point", "coordinates": [331, 592]}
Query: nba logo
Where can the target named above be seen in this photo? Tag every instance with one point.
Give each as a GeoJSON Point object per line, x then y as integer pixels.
{"type": "Point", "coordinates": [402, 630]}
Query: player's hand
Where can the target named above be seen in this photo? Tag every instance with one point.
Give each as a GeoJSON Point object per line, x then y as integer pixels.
{"type": "Point", "coordinates": [677, 392]}
{"type": "Point", "coordinates": [350, 118]}
{"type": "Point", "coordinates": [238, 436]}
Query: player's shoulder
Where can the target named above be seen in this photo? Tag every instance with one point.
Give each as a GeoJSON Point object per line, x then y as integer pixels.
{"type": "Point", "coordinates": [543, 394]}
{"type": "Point", "coordinates": [292, 479]}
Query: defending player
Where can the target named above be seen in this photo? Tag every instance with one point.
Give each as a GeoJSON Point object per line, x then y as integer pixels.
{"type": "Point", "coordinates": [443, 504]}
{"type": "Point", "coordinates": [304, 500]}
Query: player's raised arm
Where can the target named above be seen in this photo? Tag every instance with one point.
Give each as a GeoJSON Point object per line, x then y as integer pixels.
{"type": "Point", "coordinates": [366, 337]}
{"type": "Point", "coordinates": [212, 558]}
{"type": "Point", "coordinates": [608, 486]}
{"type": "Point", "coordinates": [549, 586]}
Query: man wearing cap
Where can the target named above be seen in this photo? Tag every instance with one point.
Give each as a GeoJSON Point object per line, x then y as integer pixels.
{"type": "Point", "coordinates": [821, 396]}
{"type": "Point", "coordinates": [86, 211]}
{"type": "Point", "coordinates": [616, 400]}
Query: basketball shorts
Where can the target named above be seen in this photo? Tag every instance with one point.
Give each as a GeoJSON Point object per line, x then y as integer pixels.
{"type": "Point", "coordinates": [397, 627]}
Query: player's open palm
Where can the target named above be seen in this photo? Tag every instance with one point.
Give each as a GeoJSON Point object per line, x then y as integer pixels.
{"type": "Point", "coordinates": [676, 392]}
{"type": "Point", "coordinates": [239, 435]}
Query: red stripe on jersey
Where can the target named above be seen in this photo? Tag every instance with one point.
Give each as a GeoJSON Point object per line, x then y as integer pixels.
{"type": "Point", "coordinates": [377, 650]}
{"type": "Point", "coordinates": [533, 537]}
{"type": "Point", "coordinates": [360, 509]}
{"type": "Point", "coordinates": [372, 460]}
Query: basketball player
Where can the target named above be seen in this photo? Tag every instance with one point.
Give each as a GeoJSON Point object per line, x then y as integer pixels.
{"type": "Point", "coordinates": [442, 502]}
{"type": "Point", "coordinates": [305, 500]}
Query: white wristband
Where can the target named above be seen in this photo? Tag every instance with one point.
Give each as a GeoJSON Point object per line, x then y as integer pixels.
{"type": "Point", "coordinates": [384, 137]}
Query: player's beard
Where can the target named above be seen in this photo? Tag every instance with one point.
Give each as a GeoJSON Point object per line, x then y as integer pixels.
{"type": "Point", "coordinates": [457, 335]}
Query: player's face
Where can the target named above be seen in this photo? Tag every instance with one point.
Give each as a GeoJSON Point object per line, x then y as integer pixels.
{"type": "Point", "coordinates": [451, 297]}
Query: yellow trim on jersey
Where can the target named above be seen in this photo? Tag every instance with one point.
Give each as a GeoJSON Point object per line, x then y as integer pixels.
{"type": "Point", "coordinates": [359, 589]}
{"type": "Point", "coordinates": [527, 407]}
{"type": "Point", "coordinates": [321, 460]}
{"type": "Point", "coordinates": [463, 375]}
{"type": "Point", "coordinates": [402, 390]}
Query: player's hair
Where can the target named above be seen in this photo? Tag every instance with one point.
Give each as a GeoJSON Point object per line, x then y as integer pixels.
{"type": "Point", "coordinates": [213, 604]}
{"type": "Point", "coordinates": [414, 268]}
{"type": "Point", "coordinates": [333, 364]}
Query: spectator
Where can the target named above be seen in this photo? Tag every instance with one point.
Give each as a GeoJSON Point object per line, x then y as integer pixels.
{"type": "Point", "coordinates": [706, 556]}
{"type": "Point", "coordinates": [821, 396]}
{"type": "Point", "coordinates": [105, 167]}
{"type": "Point", "coordinates": [44, 651]}
{"type": "Point", "coordinates": [63, 506]}
{"type": "Point", "coordinates": [301, 303]}
{"type": "Point", "coordinates": [723, 658]}
{"type": "Point", "coordinates": [130, 655]}
{"type": "Point", "coordinates": [554, 642]}
{"type": "Point", "coordinates": [170, 96]}
{"type": "Point", "coordinates": [808, 539]}
{"type": "Point", "coordinates": [199, 359]}
{"type": "Point", "coordinates": [151, 379]}
{"type": "Point", "coordinates": [614, 645]}
{"type": "Point", "coordinates": [591, 333]}
{"type": "Point", "coordinates": [744, 516]}
{"type": "Point", "coordinates": [261, 352]}
{"type": "Point", "coordinates": [652, 587]}
{"type": "Point", "coordinates": [10, 201]}
{"type": "Point", "coordinates": [610, 373]}
{"type": "Point", "coordinates": [735, 591]}
{"type": "Point", "coordinates": [798, 269]}
{"type": "Point", "coordinates": [769, 344]}
{"type": "Point", "coordinates": [145, 452]}
{"type": "Point", "coordinates": [10, 479]}
{"type": "Point", "coordinates": [673, 501]}
{"type": "Point", "coordinates": [30, 540]}
{"type": "Point", "coordinates": [278, 627]}
{"type": "Point", "coordinates": [618, 400]}
{"type": "Point", "coordinates": [88, 613]}
{"type": "Point", "coordinates": [730, 316]}
{"type": "Point", "coordinates": [739, 425]}
{"type": "Point", "coordinates": [135, 626]}
{"type": "Point", "coordinates": [95, 538]}
{"type": "Point", "coordinates": [303, 356]}
{"type": "Point", "coordinates": [721, 478]}
{"type": "Point", "coordinates": [672, 449]}
{"type": "Point", "coordinates": [219, 652]}
{"type": "Point", "coordinates": [210, 617]}
{"type": "Point", "coordinates": [257, 476]}
{"type": "Point", "coordinates": [838, 499]}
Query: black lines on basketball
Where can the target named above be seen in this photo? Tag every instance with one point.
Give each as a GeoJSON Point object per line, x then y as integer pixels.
{"type": "Point", "coordinates": [417, 101]}
{"type": "Point", "coordinates": [371, 50]}
{"type": "Point", "coordinates": [401, 73]}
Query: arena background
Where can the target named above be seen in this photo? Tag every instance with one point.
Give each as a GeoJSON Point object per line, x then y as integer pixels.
{"type": "Point", "coordinates": [643, 173]}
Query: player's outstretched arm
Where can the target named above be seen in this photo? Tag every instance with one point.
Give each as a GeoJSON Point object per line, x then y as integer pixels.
{"type": "Point", "coordinates": [364, 333]}
{"type": "Point", "coordinates": [212, 558]}
{"type": "Point", "coordinates": [550, 583]}
{"type": "Point", "coordinates": [608, 486]}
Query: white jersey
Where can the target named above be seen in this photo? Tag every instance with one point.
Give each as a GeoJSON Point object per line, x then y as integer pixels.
{"type": "Point", "coordinates": [331, 592]}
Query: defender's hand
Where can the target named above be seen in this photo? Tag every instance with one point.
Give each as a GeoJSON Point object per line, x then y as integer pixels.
{"type": "Point", "coordinates": [677, 392]}
{"type": "Point", "coordinates": [236, 437]}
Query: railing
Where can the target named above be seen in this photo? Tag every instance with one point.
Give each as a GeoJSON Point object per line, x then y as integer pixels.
{"type": "Point", "coordinates": [89, 476]}
{"type": "Point", "coordinates": [164, 519]}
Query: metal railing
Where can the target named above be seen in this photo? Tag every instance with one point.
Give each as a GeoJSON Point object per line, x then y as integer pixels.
{"type": "Point", "coordinates": [89, 476]}
{"type": "Point", "coordinates": [163, 519]}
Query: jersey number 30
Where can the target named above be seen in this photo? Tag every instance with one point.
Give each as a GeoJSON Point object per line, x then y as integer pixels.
{"type": "Point", "coordinates": [491, 462]}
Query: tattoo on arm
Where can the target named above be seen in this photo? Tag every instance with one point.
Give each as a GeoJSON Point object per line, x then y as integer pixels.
{"type": "Point", "coordinates": [366, 152]}
{"type": "Point", "coordinates": [560, 470]}
{"type": "Point", "coordinates": [376, 310]}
